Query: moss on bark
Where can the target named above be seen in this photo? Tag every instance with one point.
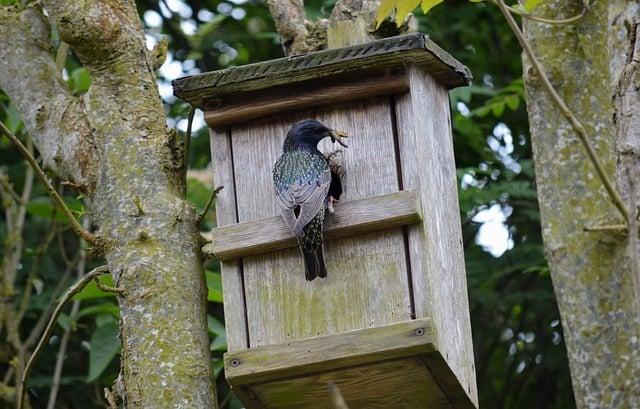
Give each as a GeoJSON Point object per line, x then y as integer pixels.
{"type": "Point", "coordinates": [591, 271]}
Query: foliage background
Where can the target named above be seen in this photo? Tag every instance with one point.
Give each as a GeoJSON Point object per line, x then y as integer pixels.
{"type": "Point", "coordinates": [519, 350]}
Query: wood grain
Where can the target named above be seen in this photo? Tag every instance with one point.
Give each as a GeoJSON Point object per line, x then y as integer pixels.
{"type": "Point", "coordinates": [233, 108]}
{"type": "Point", "coordinates": [350, 219]}
{"type": "Point", "coordinates": [398, 384]}
{"type": "Point", "coordinates": [436, 252]}
{"type": "Point", "coordinates": [382, 53]}
{"type": "Point", "coordinates": [232, 281]}
{"type": "Point", "coordinates": [367, 284]}
{"type": "Point", "coordinates": [303, 357]}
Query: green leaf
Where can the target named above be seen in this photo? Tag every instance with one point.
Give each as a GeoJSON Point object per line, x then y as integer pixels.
{"type": "Point", "coordinates": [214, 286]}
{"type": "Point", "coordinates": [104, 319]}
{"type": "Point", "coordinates": [386, 7]}
{"type": "Point", "coordinates": [218, 366]}
{"type": "Point", "coordinates": [91, 290]}
{"type": "Point", "coordinates": [217, 330]}
{"type": "Point", "coordinates": [403, 8]}
{"type": "Point", "coordinates": [481, 111]}
{"type": "Point", "coordinates": [43, 207]}
{"type": "Point", "coordinates": [530, 5]}
{"type": "Point", "coordinates": [467, 127]}
{"type": "Point", "coordinates": [104, 308]}
{"type": "Point", "coordinates": [104, 347]}
{"type": "Point", "coordinates": [219, 343]}
{"type": "Point", "coordinates": [498, 108]}
{"type": "Point", "coordinates": [513, 102]}
{"type": "Point", "coordinates": [64, 321]}
{"type": "Point", "coordinates": [215, 327]}
{"type": "Point", "coordinates": [197, 193]}
{"type": "Point", "coordinates": [14, 120]}
{"type": "Point", "coordinates": [460, 94]}
{"type": "Point", "coordinates": [80, 80]}
{"type": "Point", "coordinates": [427, 5]}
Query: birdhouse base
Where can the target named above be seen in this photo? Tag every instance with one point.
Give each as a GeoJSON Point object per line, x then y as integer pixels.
{"type": "Point", "coordinates": [395, 366]}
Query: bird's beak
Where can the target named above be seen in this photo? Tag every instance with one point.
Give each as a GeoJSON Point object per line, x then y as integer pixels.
{"type": "Point", "coordinates": [338, 136]}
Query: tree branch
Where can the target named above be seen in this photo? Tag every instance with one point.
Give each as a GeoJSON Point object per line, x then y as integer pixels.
{"type": "Point", "coordinates": [212, 197]}
{"type": "Point", "coordinates": [52, 116]}
{"type": "Point", "coordinates": [290, 22]}
{"type": "Point", "coordinates": [575, 123]}
{"type": "Point", "coordinates": [81, 231]}
{"type": "Point", "coordinates": [563, 21]}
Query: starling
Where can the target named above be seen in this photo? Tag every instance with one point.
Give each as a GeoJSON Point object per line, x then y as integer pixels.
{"type": "Point", "coordinates": [301, 179]}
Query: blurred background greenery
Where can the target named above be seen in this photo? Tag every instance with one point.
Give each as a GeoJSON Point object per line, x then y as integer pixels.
{"type": "Point", "coordinates": [519, 349]}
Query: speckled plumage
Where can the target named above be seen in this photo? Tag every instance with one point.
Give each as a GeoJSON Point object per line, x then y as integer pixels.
{"type": "Point", "coordinates": [301, 178]}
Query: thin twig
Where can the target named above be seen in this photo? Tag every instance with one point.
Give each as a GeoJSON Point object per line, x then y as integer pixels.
{"type": "Point", "coordinates": [9, 188]}
{"type": "Point", "coordinates": [61, 56]}
{"type": "Point", "coordinates": [61, 249]}
{"type": "Point", "coordinates": [226, 400]}
{"type": "Point", "coordinates": [40, 252]}
{"type": "Point", "coordinates": [64, 342]}
{"type": "Point", "coordinates": [622, 228]}
{"type": "Point", "coordinates": [81, 231]}
{"type": "Point", "coordinates": [575, 124]}
{"type": "Point", "coordinates": [338, 399]}
{"type": "Point", "coordinates": [107, 289]}
{"type": "Point", "coordinates": [570, 20]}
{"type": "Point", "coordinates": [73, 290]}
{"type": "Point", "coordinates": [108, 395]}
{"type": "Point", "coordinates": [187, 139]}
{"type": "Point", "coordinates": [37, 329]}
{"type": "Point", "coordinates": [208, 205]}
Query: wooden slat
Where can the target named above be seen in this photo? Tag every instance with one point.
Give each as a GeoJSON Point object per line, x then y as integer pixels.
{"type": "Point", "coordinates": [367, 283]}
{"type": "Point", "coordinates": [233, 108]}
{"type": "Point", "coordinates": [394, 384]}
{"type": "Point", "coordinates": [304, 357]}
{"type": "Point", "coordinates": [386, 52]}
{"type": "Point", "coordinates": [234, 308]}
{"type": "Point", "coordinates": [349, 219]}
{"type": "Point", "coordinates": [448, 381]}
{"type": "Point", "coordinates": [436, 252]}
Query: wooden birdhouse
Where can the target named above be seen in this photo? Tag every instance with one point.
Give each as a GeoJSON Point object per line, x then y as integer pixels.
{"type": "Point", "coordinates": [389, 327]}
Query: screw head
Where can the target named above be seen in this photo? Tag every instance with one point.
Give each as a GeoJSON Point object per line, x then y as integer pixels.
{"type": "Point", "coordinates": [235, 363]}
{"type": "Point", "coordinates": [419, 332]}
{"type": "Point", "coordinates": [213, 104]}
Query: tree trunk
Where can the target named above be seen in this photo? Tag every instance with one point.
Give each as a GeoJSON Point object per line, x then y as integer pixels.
{"type": "Point", "coordinates": [114, 141]}
{"type": "Point", "coordinates": [592, 271]}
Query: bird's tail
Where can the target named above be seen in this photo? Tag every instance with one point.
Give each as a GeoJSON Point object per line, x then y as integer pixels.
{"type": "Point", "coordinates": [313, 263]}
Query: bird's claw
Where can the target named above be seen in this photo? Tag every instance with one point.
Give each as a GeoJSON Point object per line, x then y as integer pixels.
{"type": "Point", "coordinates": [331, 200]}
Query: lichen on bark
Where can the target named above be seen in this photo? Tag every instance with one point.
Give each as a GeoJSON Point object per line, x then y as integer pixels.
{"type": "Point", "coordinates": [135, 185]}
{"type": "Point", "coordinates": [591, 272]}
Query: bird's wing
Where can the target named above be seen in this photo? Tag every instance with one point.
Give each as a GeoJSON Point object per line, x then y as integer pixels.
{"type": "Point", "coordinates": [308, 196]}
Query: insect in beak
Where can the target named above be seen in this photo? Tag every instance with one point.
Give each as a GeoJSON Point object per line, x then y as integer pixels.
{"type": "Point", "coordinates": [338, 136]}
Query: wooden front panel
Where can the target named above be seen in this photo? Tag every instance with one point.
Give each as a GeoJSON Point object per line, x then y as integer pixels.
{"type": "Point", "coordinates": [367, 284]}
{"type": "Point", "coordinates": [437, 255]}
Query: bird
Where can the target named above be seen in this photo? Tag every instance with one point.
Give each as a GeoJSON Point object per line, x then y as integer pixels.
{"type": "Point", "coordinates": [301, 181]}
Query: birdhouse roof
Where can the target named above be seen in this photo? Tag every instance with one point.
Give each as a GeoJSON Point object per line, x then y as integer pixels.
{"type": "Point", "coordinates": [383, 53]}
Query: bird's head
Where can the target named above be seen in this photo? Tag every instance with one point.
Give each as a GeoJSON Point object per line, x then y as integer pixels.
{"type": "Point", "coordinates": [308, 133]}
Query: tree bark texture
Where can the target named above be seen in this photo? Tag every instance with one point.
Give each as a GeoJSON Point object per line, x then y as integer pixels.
{"type": "Point", "coordinates": [592, 272]}
{"type": "Point", "coordinates": [351, 22]}
{"type": "Point", "coordinates": [114, 141]}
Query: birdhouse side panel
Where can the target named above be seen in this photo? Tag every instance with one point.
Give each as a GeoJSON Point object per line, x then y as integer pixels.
{"type": "Point", "coordinates": [437, 256]}
{"type": "Point", "coordinates": [226, 214]}
{"type": "Point", "coordinates": [367, 283]}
